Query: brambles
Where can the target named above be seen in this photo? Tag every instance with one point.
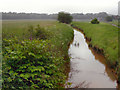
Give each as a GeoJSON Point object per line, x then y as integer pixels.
{"type": "Point", "coordinates": [30, 65]}
{"type": "Point", "coordinates": [36, 63]}
{"type": "Point", "coordinates": [95, 21]}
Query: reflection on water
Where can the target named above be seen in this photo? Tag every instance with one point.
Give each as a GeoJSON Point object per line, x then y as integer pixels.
{"type": "Point", "coordinates": [87, 68]}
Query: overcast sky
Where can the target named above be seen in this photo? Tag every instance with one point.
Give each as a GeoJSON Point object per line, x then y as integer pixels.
{"type": "Point", "coordinates": [55, 6]}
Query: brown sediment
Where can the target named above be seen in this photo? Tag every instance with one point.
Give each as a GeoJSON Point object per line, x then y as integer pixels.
{"type": "Point", "coordinates": [67, 63]}
{"type": "Point", "coordinates": [88, 39]}
{"type": "Point", "coordinates": [97, 50]}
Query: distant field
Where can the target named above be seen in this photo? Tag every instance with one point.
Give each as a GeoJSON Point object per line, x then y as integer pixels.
{"type": "Point", "coordinates": [104, 36]}
{"type": "Point", "coordinates": [20, 27]}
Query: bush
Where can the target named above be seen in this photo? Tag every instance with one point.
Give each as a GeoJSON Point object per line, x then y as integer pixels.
{"type": "Point", "coordinates": [64, 17]}
{"type": "Point", "coordinates": [37, 32]}
{"type": "Point", "coordinates": [28, 64]}
{"type": "Point", "coordinates": [36, 63]}
{"type": "Point", "coordinates": [95, 21]}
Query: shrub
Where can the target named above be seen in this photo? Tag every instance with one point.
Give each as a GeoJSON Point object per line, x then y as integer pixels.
{"type": "Point", "coordinates": [29, 64]}
{"type": "Point", "coordinates": [37, 32]}
{"type": "Point", "coordinates": [95, 21]}
{"type": "Point", "coordinates": [40, 32]}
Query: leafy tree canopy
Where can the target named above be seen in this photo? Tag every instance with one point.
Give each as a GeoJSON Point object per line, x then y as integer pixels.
{"type": "Point", "coordinates": [64, 17]}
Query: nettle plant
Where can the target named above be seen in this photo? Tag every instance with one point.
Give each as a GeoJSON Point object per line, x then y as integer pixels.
{"type": "Point", "coordinates": [30, 64]}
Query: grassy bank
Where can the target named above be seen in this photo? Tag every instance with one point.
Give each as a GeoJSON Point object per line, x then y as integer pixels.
{"type": "Point", "coordinates": [115, 22]}
{"type": "Point", "coordinates": [103, 36]}
{"type": "Point", "coordinates": [34, 56]}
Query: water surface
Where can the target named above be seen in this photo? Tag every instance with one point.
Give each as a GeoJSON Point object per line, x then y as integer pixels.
{"type": "Point", "coordinates": [87, 68]}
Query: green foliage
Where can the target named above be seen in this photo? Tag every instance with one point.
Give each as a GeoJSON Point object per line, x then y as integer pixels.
{"type": "Point", "coordinates": [95, 21]}
{"type": "Point", "coordinates": [105, 37]}
{"type": "Point", "coordinates": [38, 32]}
{"type": "Point", "coordinates": [20, 28]}
{"type": "Point", "coordinates": [30, 65]}
{"type": "Point", "coordinates": [64, 17]}
{"type": "Point", "coordinates": [36, 63]}
{"type": "Point", "coordinates": [109, 18]}
{"type": "Point", "coordinates": [114, 22]}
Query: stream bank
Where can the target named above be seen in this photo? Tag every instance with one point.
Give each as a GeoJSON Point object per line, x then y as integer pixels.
{"type": "Point", "coordinates": [87, 68]}
{"type": "Point", "coordinates": [100, 51]}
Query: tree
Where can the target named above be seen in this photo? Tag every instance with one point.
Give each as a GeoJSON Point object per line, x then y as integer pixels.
{"type": "Point", "coordinates": [64, 17]}
{"type": "Point", "coordinates": [109, 18]}
{"type": "Point", "coordinates": [95, 21]}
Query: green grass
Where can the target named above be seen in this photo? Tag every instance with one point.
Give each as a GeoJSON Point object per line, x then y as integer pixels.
{"type": "Point", "coordinates": [104, 36]}
{"type": "Point", "coordinates": [59, 33]}
{"type": "Point", "coordinates": [114, 22]}
{"type": "Point", "coordinates": [45, 58]}
{"type": "Point", "coordinates": [19, 28]}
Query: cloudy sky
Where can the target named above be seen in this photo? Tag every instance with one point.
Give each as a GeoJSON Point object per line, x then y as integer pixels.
{"type": "Point", "coordinates": [55, 6]}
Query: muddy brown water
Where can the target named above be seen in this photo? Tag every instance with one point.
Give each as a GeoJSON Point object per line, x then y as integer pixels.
{"type": "Point", "coordinates": [87, 68]}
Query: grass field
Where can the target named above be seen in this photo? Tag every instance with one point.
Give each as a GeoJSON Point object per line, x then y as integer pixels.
{"type": "Point", "coordinates": [114, 22]}
{"type": "Point", "coordinates": [34, 54]}
{"type": "Point", "coordinates": [58, 32]}
{"type": "Point", "coordinates": [104, 36]}
{"type": "Point", "coordinates": [20, 27]}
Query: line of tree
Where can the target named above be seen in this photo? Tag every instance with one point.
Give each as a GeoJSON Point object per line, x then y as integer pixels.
{"type": "Point", "coordinates": [76, 16]}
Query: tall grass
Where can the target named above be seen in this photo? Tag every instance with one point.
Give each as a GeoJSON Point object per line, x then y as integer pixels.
{"type": "Point", "coordinates": [19, 28]}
